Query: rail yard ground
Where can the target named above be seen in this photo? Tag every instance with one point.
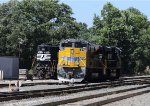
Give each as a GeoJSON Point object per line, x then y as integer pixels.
{"type": "Point", "coordinates": [141, 100]}
{"type": "Point", "coordinates": [53, 100]}
{"type": "Point", "coordinates": [128, 91]}
{"type": "Point", "coordinates": [131, 91]}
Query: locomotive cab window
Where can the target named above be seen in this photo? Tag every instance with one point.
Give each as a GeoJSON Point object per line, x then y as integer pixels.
{"type": "Point", "coordinates": [80, 45]}
{"type": "Point", "coordinates": [68, 44]}
{"type": "Point", "coordinates": [43, 49]}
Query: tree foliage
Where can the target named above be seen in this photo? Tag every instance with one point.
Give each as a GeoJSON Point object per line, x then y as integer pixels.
{"type": "Point", "coordinates": [28, 23]}
{"type": "Point", "coordinates": [127, 29]}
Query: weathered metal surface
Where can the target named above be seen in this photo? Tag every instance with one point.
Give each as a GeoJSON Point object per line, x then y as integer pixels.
{"type": "Point", "coordinates": [1, 74]}
{"type": "Point", "coordinates": [10, 67]}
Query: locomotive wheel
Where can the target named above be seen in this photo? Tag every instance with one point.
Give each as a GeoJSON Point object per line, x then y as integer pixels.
{"type": "Point", "coordinates": [41, 74]}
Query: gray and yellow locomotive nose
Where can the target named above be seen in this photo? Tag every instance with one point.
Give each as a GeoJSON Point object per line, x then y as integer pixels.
{"type": "Point", "coordinates": [66, 74]}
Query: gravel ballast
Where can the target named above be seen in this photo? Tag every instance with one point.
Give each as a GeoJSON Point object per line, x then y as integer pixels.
{"type": "Point", "coordinates": [104, 98]}
{"type": "Point", "coordinates": [35, 87]}
{"type": "Point", "coordinates": [141, 100]}
{"type": "Point", "coordinates": [41, 100]}
{"type": "Point", "coordinates": [40, 87]}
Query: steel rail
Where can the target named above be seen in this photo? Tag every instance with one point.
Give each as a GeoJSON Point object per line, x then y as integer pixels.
{"type": "Point", "coordinates": [48, 82]}
{"type": "Point", "coordinates": [4, 96]}
{"type": "Point", "coordinates": [72, 100]}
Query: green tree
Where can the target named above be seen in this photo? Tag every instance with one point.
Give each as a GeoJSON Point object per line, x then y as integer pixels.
{"type": "Point", "coordinates": [122, 28]}
{"type": "Point", "coordinates": [28, 23]}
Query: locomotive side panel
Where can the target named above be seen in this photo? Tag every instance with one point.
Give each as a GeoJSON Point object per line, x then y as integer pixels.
{"type": "Point", "coordinates": [72, 57]}
{"type": "Point", "coordinates": [95, 64]}
{"type": "Point", "coordinates": [103, 63]}
{"type": "Point", "coordinates": [112, 62]}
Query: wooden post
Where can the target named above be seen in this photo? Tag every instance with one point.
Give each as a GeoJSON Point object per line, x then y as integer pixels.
{"type": "Point", "coordinates": [1, 74]}
{"type": "Point", "coordinates": [10, 87]}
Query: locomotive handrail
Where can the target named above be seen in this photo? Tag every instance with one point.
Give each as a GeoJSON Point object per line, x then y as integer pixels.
{"type": "Point", "coordinates": [82, 61]}
{"type": "Point", "coordinates": [61, 61]}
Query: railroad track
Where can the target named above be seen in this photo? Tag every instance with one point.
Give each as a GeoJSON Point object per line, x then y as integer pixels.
{"type": "Point", "coordinates": [4, 96]}
{"type": "Point", "coordinates": [28, 83]}
{"type": "Point", "coordinates": [48, 92]}
{"type": "Point", "coordinates": [101, 98]}
{"type": "Point", "coordinates": [51, 82]}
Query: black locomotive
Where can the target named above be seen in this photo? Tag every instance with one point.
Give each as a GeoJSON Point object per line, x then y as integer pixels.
{"type": "Point", "coordinates": [45, 65]}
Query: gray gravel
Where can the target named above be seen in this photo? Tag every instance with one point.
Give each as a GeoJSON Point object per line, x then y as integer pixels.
{"type": "Point", "coordinates": [36, 87]}
{"type": "Point", "coordinates": [141, 100]}
{"type": "Point", "coordinates": [39, 87]}
{"type": "Point", "coordinates": [28, 81]}
{"type": "Point", "coordinates": [100, 99]}
{"type": "Point", "coordinates": [41, 100]}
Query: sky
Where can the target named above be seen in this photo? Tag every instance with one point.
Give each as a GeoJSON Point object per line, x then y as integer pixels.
{"type": "Point", "coordinates": [84, 10]}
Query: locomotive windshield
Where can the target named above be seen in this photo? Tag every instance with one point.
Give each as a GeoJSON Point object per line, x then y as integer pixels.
{"type": "Point", "coordinates": [112, 53]}
{"type": "Point", "coordinates": [74, 44]}
{"type": "Point", "coordinates": [80, 44]}
{"type": "Point", "coordinates": [68, 44]}
{"type": "Point", "coordinates": [43, 49]}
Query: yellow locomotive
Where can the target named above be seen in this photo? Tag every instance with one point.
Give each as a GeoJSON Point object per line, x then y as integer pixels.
{"type": "Point", "coordinates": [72, 60]}
{"type": "Point", "coordinates": [80, 60]}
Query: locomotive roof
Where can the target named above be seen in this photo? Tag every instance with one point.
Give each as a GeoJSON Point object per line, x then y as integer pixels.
{"type": "Point", "coordinates": [74, 40]}
{"type": "Point", "coordinates": [111, 47]}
